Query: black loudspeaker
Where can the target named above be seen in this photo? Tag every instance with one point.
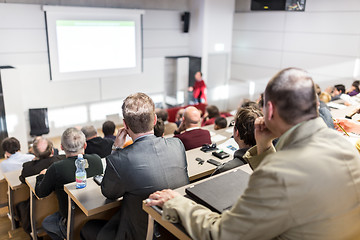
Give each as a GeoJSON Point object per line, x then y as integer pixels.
{"type": "Point", "coordinates": [39, 123]}
{"type": "Point", "coordinates": [185, 17]}
{"type": "Point", "coordinates": [268, 5]}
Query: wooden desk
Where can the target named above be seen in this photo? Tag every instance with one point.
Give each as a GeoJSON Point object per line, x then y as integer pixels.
{"type": "Point", "coordinates": [37, 210]}
{"type": "Point", "coordinates": [17, 191]}
{"type": "Point", "coordinates": [177, 229]}
{"type": "Point", "coordinates": [85, 204]}
{"type": "Point", "coordinates": [3, 193]}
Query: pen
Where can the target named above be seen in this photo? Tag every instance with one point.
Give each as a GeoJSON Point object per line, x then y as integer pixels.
{"type": "Point", "coordinates": [341, 127]}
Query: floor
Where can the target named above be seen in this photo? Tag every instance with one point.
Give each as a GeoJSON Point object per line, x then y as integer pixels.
{"type": "Point", "coordinates": [5, 228]}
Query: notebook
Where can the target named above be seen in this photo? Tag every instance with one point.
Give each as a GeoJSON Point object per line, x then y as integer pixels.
{"type": "Point", "coordinates": [221, 192]}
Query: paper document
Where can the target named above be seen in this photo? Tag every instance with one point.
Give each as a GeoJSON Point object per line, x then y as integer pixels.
{"type": "Point", "coordinates": [217, 138]}
{"type": "Point", "coordinates": [229, 146]}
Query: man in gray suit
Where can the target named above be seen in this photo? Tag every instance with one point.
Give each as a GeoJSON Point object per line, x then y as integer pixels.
{"type": "Point", "coordinates": [307, 187]}
{"type": "Point", "coordinates": [147, 165]}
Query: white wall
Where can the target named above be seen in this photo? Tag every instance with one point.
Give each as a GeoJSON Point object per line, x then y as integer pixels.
{"type": "Point", "coordinates": [23, 46]}
{"type": "Point", "coordinates": [324, 40]}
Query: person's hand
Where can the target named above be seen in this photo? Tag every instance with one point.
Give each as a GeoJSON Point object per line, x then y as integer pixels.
{"type": "Point", "coordinates": [160, 197]}
{"type": "Point", "coordinates": [263, 135]}
{"type": "Point", "coordinates": [43, 171]}
{"type": "Point", "coordinates": [190, 89]}
{"type": "Point", "coordinates": [120, 138]}
{"type": "Point", "coordinates": [347, 125]}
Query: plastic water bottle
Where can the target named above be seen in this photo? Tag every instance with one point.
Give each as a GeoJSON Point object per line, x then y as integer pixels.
{"type": "Point", "coordinates": [80, 174]}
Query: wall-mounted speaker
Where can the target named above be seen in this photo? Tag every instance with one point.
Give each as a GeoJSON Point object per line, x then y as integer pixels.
{"type": "Point", "coordinates": [39, 123]}
{"type": "Point", "coordinates": [185, 18]}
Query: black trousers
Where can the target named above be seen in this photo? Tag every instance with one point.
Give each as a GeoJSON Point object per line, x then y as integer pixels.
{"type": "Point", "coordinates": [91, 229]}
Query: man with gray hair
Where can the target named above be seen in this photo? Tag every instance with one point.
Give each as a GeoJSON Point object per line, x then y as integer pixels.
{"type": "Point", "coordinates": [306, 187]}
{"type": "Point", "coordinates": [151, 163]}
{"type": "Point", "coordinates": [62, 172]}
{"type": "Point", "coordinates": [95, 144]}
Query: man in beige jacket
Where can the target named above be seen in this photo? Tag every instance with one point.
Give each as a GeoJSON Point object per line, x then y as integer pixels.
{"type": "Point", "coordinates": [307, 187]}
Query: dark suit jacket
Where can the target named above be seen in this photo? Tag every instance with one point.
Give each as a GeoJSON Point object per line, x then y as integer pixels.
{"type": "Point", "coordinates": [36, 166]}
{"type": "Point", "coordinates": [99, 146]}
{"type": "Point", "coordinates": [194, 138]}
{"type": "Point", "coordinates": [148, 165]}
{"type": "Point", "coordinates": [61, 173]}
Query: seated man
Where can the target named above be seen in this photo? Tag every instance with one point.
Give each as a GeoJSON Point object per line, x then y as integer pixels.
{"type": "Point", "coordinates": [95, 144]}
{"type": "Point", "coordinates": [108, 129]}
{"type": "Point", "coordinates": [135, 171]}
{"type": "Point", "coordinates": [61, 173]}
{"type": "Point", "coordinates": [305, 188]}
{"type": "Point", "coordinates": [44, 157]}
{"type": "Point", "coordinates": [243, 136]}
{"type": "Point", "coordinates": [193, 136]}
{"type": "Point", "coordinates": [14, 158]}
{"type": "Point", "coordinates": [170, 127]}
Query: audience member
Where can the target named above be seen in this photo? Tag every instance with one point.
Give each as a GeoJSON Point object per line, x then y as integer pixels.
{"type": "Point", "coordinates": [159, 128]}
{"type": "Point", "coordinates": [260, 101]}
{"type": "Point", "coordinates": [170, 127]}
{"type": "Point", "coordinates": [14, 159]}
{"type": "Point", "coordinates": [324, 111]}
{"type": "Point", "coordinates": [243, 136]}
{"type": "Point", "coordinates": [62, 172]}
{"type": "Point", "coordinates": [211, 113]}
{"type": "Point", "coordinates": [179, 116]}
{"type": "Point", "coordinates": [95, 144]}
{"type": "Point", "coordinates": [199, 89]}
{"type": "Point", "coordinates": [44, 157]}
{"type": "Point", "coordinates": [354, 89]}
{"type": "Point", "coordinates": [149, 164]}
{"type": "Point", "coordinates": [108, 129]}
{"type": "Point", "coordinates": [296, 190]}
{"type": "Point", "coordinates": [348, 125]}
{"type": "Point", "coordinates": [339, 93]}
{"type": "Point", "coordinates": [325, 97]}
{"type": "Point", "coordinates": [193, 136]}
{"type": "Point", "coordinates": [220, 123]}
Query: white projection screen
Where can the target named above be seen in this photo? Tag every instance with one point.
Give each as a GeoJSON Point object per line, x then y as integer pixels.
{"type": "Point", "coordinates": [93, 42]}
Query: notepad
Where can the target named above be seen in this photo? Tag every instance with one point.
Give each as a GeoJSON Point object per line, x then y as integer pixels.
{"type": "Point", "coordinates": [221, 192]}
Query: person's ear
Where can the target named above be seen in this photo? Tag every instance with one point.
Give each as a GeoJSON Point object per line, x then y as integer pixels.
{"type": "Point", "coordinates": [61, 146]}
{"type": "Point", "coordinates": [85, 145]}
{"type": "Point", "coordinates": [236, 133]}
{"type": "Point", "coordinates": [270, 110]}
{"type": "Point", "coordinates": [155, 119]}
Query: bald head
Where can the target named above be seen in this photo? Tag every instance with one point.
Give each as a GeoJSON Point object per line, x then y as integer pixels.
{"type": "Point", "coordinates": [43, 148]}
{"type": "Point", "coordinates": [292, 91]}
{"type": "Point", "coordinates": [191, 116]}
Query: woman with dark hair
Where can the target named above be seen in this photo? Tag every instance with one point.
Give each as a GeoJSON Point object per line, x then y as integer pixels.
{"type": "Point", "coordinates": [354, 89]}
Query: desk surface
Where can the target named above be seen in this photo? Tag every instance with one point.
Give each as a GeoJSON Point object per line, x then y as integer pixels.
{"type": "Point", "coordinates": [13, 179]}
{"type": "Point", "coordinates": [90, 199]}
{"type": "Point", "coordinates": [31, 182]}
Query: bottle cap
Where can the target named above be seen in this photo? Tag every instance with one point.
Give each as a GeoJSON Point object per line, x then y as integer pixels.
{"type": "Point", "coordinates": [80, 156]}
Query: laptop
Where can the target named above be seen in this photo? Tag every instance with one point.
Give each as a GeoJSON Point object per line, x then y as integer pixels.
{"type": "Point", "coordinates": [221, 192]}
